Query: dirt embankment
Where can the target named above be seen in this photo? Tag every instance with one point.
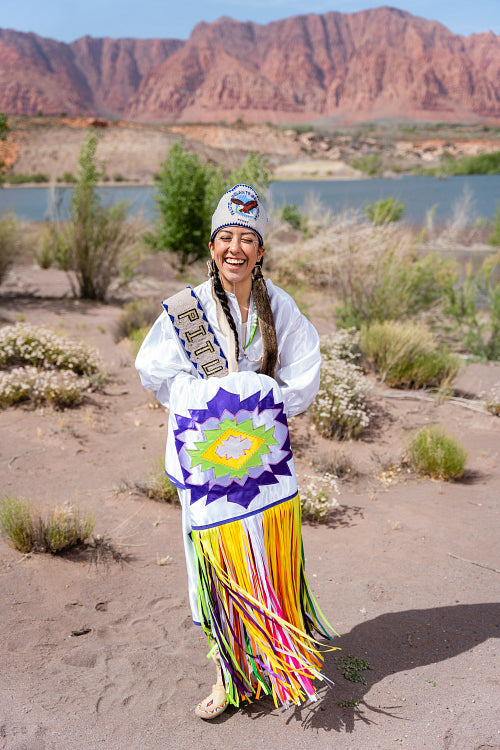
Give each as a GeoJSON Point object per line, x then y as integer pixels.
{"type": "Point", "coordinates": [133, 152]}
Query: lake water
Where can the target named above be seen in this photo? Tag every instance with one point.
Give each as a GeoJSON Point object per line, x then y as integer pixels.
{"type": "Point", "coordinates": [481, 193]}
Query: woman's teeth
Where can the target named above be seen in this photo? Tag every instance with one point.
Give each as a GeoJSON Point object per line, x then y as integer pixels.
{"type": "Point", "coordinates": [234, 262]}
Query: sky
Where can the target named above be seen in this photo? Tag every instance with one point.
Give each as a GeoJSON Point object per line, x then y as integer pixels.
{"type": "Point", "coordinates": [175, 19]}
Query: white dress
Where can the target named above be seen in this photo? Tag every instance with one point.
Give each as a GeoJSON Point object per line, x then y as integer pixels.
{"type": "Point", "coordinates": [165, 369]}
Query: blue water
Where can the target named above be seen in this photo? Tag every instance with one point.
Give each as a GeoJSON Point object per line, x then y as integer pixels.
{"type": "Point", "coordinates": [419, 194]}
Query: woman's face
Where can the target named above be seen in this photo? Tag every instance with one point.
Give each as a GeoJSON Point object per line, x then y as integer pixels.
{"type": "Point", "coordinates": [235, 251]}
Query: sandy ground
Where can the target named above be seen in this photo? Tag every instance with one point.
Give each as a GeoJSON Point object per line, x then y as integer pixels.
{"type": "Point", "coordinates": [427, 623]}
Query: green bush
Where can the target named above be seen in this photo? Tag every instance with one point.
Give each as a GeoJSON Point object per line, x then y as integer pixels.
{"type": "Point", "coordinates": [93, 245]}
{"type": "Point", "coordinates": [371, 164]}
{"type": "Point", "coordinates": [9, 242]}
{"type": "Point", "coordinates": [27, 531]}
{"type": "Point", "coordinates": [474, 309]}
{"type": "Point", "coordinates": [291, 214]}
{"type": "Point", "coordinates": [434, 453]}
{"type": "Point", "coordinates": [67, 177]}
{"type": "Point", "coordinates": [384, 211]}
{"type": "Point", "coordinates": [406, 355]}
{"type": "Point", "coordinates": [21, 179]}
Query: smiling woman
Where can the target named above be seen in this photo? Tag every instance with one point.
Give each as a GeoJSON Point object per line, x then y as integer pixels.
{"type": "Point", "coordinates": [231, 360]}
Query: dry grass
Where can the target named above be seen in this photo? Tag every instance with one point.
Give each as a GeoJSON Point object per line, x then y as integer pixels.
{"type": "Point", "coordinates": [28, 531]}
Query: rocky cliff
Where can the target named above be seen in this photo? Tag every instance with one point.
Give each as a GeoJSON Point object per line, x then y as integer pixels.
{"type": "Point", "coordinates": [381, 63]}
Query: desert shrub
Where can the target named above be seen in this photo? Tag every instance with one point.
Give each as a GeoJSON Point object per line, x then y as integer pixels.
{"type": "Point", "coordinates": [157, 485]}
{"type": "Point", "coordinates": [21, 179]}
{"type": "Point", "coordinates": [492, 400]}
{"type": "Point", "coordinates": [16, 523]}
{"type": "Point", "coordinates": [376, 272]}
{"type": "Point", "coordinates": [27, 530]}
{"type": "Point", "coordinates": [473, 306]}
{"type": "Point", "coordinates": [97, 245]}
{"type": "Point", "coordinates": [371, 164]}
{"type": "Point", "coordinates": [66, 527]}
{"type": "Point", "coordinates": [9, 242]}
{"type": "Point", "coordinates": [434, 453]}
{"type": "Point", "coordinates": [340, 410]}
{"type": "Point", "coordinates": [136, 316]}
{"type": "Point", "coordinates": [39, 365]}
{"type": "Point", "coordinates": [67, 177]}
{"type": "Point", "coordinates": [291, 215]}
{"type": "Point", "coordinates": [384, 211]}
{"type": "Point", "coordinates": [60, 388]}
{"type": "Point", "coordinates": [407, 355]}
{"type": "Point", "coordinates": [24, 344]}
{"type": "Point", "coordinates": [317, 497]}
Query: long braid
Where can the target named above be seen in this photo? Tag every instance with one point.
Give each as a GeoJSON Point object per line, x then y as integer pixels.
{"type": "Point", "coordinates": [221, 296]}
{"type": "Point", "coordinates": [266, 322]}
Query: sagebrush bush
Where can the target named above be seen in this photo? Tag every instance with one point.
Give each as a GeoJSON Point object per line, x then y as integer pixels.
{"type": "Point", "coordinates": [407, 355]}
{"type": "Point", "coordinates": [317, 497]}
{"type": "Point", "coordinates": [136, 316]}
{"type": "Point", "coordinates": [340, 409]}
{"type": "Point", "coordinates": [9, 243]}
{"type": "Point", "coordinates": [434, 453]}
{"type": "Point", "coordinates": [28, 531]}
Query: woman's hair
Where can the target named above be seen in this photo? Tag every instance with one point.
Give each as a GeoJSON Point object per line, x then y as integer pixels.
{"type": "Point", "coordinates": [264, 314]}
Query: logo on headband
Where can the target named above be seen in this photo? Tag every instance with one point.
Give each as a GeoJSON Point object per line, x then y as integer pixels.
{"type": "Point", "coordinates": [244, 204]}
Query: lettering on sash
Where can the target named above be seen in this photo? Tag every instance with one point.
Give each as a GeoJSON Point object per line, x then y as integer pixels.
{"type": "Point", "coordinates": [195, 334]}
{"type": "Point", "coordinates": [191, 314]}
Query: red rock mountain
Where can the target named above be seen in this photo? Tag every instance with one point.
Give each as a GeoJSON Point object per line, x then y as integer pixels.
{"type": "Point", "coordinates": [381, 63]}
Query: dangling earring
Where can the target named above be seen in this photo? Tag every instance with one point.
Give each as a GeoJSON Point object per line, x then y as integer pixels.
{"type": "Point", "coordinates": [212, 268]}
{"type": "Point", "coordinates": [257, 270]}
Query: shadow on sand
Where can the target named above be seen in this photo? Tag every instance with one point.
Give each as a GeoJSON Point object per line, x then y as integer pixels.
{"type": "Point", "coordinates": [393, 642]}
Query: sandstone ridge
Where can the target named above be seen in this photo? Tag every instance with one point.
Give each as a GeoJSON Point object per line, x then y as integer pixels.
{"type": "Point", "coordinates": [382, 63]}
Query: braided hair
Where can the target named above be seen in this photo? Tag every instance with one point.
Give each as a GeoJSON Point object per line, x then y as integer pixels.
{"type": "Point", "coordinates": [221, 296]}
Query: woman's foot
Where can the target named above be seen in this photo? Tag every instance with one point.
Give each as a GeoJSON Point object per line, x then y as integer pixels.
{"type": "Point", "coordinates": [214, 705]}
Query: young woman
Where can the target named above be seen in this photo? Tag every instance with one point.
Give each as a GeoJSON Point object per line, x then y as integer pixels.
{"type": "Point", "coordinates": [231, 360]}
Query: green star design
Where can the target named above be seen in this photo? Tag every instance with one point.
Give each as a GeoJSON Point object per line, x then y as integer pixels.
{"type": "Point", "coordinates": [206, 456]}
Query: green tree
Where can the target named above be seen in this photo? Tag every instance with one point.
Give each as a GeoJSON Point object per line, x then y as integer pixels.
{"type": "Point", "coordinates": [187, 193]}
{"type": "Point", "coordinates": [97, 244]}
{"type": "Point", "coordinates": [182, 210]}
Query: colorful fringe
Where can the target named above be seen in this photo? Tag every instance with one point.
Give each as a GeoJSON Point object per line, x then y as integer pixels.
{"type": "Point", "coordinates": [255, 603]}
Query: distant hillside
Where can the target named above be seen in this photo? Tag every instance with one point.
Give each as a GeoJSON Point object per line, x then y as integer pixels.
{"type": "Point", "coordinates": [375, 64]}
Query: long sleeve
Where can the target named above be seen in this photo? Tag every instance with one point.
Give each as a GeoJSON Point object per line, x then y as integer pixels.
{"type": "Point", "coordinates": [161, 361]}
{"type": "Point", "coordinates": [299, 364]}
